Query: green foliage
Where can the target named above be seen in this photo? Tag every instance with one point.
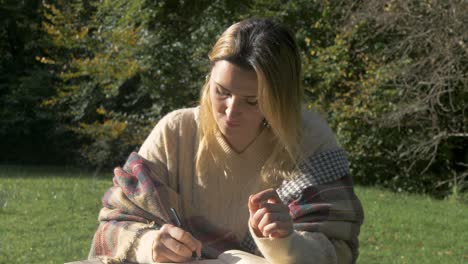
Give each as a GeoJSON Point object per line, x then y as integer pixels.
{"type": "Point", "coordinates": [28, 132]}
{"type": "Point", "coordinates": [393, 81]}
{"type": "Point", "coordinates": [96, 62]}
{"type": "Point", "coordinates": [93, 77]}
{"type": "Point", "coordinates": [126, 64]}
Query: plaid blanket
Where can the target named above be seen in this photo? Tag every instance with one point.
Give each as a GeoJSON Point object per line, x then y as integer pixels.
{"type": "Point", "coordinates": [322, 199]}
{"type": "Point", "coordinates": [138, 201]}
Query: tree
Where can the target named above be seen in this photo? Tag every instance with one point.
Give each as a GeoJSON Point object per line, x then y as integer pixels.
{"type": "Point", "coordinates": [125, 64]}
{"type": "Point", "coordinates": [392, 77]}
{"type": "Point", "coordinates": [27, 131]}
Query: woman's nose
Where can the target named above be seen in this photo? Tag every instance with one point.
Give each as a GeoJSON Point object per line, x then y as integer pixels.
{"type": "Point", "coordinates": [233, 108]}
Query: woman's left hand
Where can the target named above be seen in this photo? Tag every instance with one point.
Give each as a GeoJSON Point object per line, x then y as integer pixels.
{"type": "Point", "coordinates": [269, 217]}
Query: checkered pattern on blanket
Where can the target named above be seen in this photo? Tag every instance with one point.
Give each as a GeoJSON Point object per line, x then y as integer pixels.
{"type": "Point", "coordinates": [320, 168]}
{"type": "Point", "coordinates": [137, 203]}
{"type": "Point", "coordinates": [321, 199]}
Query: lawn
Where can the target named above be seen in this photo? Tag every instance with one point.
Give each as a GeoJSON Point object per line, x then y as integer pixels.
{"type": "Point", "coordinates": [48, 215]}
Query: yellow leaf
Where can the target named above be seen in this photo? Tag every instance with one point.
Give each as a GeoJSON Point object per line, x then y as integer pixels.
{"type": "Point", "coordinates": [101, 111]}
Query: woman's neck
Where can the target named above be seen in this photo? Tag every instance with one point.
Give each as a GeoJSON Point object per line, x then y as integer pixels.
{"type": "Point", "coordinates": [240, 143]}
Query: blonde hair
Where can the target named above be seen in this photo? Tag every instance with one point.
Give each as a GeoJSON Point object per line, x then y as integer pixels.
{"type": "Point", "coordinates": [270, 50]}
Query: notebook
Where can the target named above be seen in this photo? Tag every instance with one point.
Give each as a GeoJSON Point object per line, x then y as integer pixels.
{"type": "Point", "coordinates": [233, 257]}
{"type": "Point", "coordinates": [228, 257]}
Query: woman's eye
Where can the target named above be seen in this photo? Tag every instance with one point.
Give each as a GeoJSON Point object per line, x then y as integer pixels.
{"type": "Point", "coordinates": [219, 92]}
{"type": "Point", "coordinates": [252, 101]}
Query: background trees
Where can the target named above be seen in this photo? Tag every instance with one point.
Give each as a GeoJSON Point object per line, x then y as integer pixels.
{"type": "Point", "coordinates": [27, 131]}
{"type": "Point", "coordinates": [93, 77]}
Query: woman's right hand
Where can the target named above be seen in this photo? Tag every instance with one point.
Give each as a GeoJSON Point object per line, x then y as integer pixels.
{"type": "Point", "coordinates": [173, 244]}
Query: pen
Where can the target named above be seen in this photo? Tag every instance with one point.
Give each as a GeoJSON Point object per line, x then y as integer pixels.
{"type": "Point", "coordinates": [176, 217]}
{"type": "Point", "coordinates": [179, 224]}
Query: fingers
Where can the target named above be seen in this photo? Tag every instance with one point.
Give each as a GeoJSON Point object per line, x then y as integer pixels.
{"type": "Point", "coordinates": [265, 196]}
{"type": "Point", "coordinates": [174, 244]}
{"type": "Point", "coordinates": [253, 207]}
{"type": "Point", "coordinates": [258, 200]}
{"type": "Point", "coordinates": [177, 247]}
{"type": "Point", "coordinates": [268, 216]}
{"type": "Point", "coordinates": [277, 229]}
{"type": "Point", "coordinates": [185, 238]}
{"type": "Point", "coordinates": [161, 253]}
{"type": "Point", "coordinates": [275, 224]}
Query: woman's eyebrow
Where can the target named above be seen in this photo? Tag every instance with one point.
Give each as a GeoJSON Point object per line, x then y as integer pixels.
{"type": "Point", "coordinates": [224, 88]}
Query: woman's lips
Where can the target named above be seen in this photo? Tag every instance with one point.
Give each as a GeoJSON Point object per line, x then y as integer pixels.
{"type": "Point", "coordinates": [230, 123]}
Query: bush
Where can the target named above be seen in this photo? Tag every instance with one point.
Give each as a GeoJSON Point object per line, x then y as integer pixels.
{"type": "Point", "coordinates": [390, 76]}
{"type": "Point", "coordinates": [393, 76]}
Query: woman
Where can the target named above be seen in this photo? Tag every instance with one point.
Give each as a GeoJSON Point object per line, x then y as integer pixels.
{"type": "Point", "coordinates": [248, 169]}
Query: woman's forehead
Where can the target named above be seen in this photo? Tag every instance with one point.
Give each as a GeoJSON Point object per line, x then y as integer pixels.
{"type": "Point", "coordinates": [235, 79]}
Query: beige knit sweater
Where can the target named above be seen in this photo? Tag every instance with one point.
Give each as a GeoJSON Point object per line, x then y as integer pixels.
{"type": "Point", "coordinates": [222, 195]}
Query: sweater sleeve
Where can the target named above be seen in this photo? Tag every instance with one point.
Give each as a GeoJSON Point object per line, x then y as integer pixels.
{"type": "Point", "coordinates": [127, 220]}
{"type": "Point", "coordinates": [299, 247]}
{"type": "Point", "coordinates": [144, 248]}
{"type": "Point", "coordinates": [327, 218]}
{"type": "Point", "coordinates": [326, 212]}
{"type": "Point", "coordinates": [160, 148]}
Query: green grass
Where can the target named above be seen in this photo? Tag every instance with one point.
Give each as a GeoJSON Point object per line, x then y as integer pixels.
{"type": "Point", "coordinates": [48, 215]}
{"type": "Point", "coordinates": [404, 228]}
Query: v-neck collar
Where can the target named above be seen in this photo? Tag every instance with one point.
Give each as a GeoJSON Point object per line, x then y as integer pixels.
{"type": "Point", "coordinates": [259, 147]}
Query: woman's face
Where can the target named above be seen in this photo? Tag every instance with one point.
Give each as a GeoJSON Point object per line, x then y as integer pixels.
{"type": "Point", "coordinates": [233, 94]}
